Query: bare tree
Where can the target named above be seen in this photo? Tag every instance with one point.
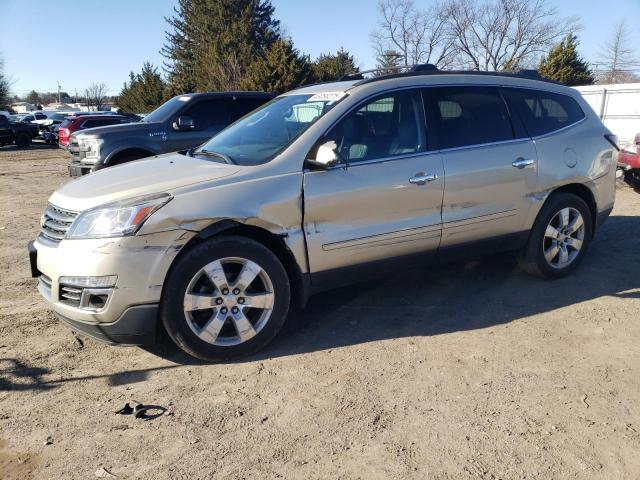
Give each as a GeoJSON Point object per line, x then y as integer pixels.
{"type": "Point", "coordinates": [418, 35]}
{"type": "Point", "coordinates": [95, 95]}
{"type": "Point", "coordinates": [504, 34]}
{"type": "Point", "coordinates": [617, 61]}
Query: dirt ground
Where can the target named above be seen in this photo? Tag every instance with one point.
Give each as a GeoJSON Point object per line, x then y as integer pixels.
{"type": "Point", "coordinates": [469, 371]}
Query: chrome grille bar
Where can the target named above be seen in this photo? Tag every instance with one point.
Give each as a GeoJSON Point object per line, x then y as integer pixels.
{"type": "Point", "coordinates": [56, 223]}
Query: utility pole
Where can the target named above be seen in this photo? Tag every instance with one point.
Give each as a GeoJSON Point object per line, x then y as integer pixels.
{"type": "Point", "coordinates": [58, 82]}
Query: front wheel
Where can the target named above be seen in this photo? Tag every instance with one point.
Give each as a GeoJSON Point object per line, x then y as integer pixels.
{"type": "Point", "coordinates": [225, 298]}
{"type": "Point", "coordinates": [23, 140]}
{"type": "Point", "coordinates": [560, 237]}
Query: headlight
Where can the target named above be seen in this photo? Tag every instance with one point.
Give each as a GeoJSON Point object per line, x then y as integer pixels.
{"type": "Point", "coordinates": [116, 219]}
{"type": "Point", "coordinates": [92, 146]}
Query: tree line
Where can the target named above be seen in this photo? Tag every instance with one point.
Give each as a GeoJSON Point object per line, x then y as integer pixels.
{"type": "Point", "coordinates": [218, 45]}
{"type": "Point", "coordinates": [497, 35]}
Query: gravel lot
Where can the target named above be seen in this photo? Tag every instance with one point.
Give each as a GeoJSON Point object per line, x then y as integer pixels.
{"type": "Point", "coordinates": [471, 370]}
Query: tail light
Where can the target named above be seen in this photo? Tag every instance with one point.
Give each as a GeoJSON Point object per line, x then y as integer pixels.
{"type": "Point", "coordinates": [613, 140]}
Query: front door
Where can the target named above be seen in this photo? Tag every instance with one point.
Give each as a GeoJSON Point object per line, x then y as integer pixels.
{"type": "Point", "coordinates": [489, 163]}
{"type": "Point", "coordinates": [384, 199]}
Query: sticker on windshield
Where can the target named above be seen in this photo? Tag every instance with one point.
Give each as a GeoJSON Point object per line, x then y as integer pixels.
{"type": "Point", "coordinates": [184, 99]}
{"type": "Point", "coordinates": [327, 97]}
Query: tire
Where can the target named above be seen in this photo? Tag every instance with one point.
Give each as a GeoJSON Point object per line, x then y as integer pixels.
{"type": "Point", "coordinates": [23, 140]}
{"type": "Point", "coordinates": [542, 240]}
{"type": "Point", "coordinates": [632, 178]}
{"type": "Point", "coordinates": [188, 307]}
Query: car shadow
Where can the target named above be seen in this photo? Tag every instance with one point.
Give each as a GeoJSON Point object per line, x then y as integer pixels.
{"type": "Point", "coordinates": [437, 300]}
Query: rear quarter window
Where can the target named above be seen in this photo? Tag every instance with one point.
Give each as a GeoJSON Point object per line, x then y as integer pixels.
{"type": "Point", "coordinates": [543, 112]}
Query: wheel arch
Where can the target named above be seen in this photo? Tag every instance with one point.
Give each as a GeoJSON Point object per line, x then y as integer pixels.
{"type": "Point", "coordinates": [272, 241]}
{"type": "Point", "coordinates": [115, 157]}
{"type": "Point", "coordinates": [582, 191]}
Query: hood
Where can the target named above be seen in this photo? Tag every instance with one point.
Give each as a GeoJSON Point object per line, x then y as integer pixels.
{"type": "Point", "coordinates": [135, 127]}
{"type": "Point", "coordinates": [142, 177]}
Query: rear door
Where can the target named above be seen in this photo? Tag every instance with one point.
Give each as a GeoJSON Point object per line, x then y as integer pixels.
{"type": "Point", "coordinates": [489, 162]}
{"type": "Point", "coordinates": [209, 117]}
{"type": "Point", "coordinates": [242, 106]}
{"type": "Point", "coordinates": [384, 200]}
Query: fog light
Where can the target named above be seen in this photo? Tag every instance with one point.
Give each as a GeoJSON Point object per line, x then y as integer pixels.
{"type": "Point", "coordinates": [90, 282]}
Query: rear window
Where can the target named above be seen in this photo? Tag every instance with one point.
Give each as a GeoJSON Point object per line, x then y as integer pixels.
{"type": "Point", "coordinates": [465, 116]}
{"type": "Point", "coordinates": [543, 112]}
{"type": "Point", "coordinates": [101, 122]}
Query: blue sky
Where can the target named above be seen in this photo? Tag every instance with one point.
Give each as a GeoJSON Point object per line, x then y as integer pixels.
{"type": "Point", "coordinates": [78, 42]}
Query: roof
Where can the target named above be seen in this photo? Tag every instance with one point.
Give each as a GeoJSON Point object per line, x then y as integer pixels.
{"type": "Point", "coordinates": [229, 94]}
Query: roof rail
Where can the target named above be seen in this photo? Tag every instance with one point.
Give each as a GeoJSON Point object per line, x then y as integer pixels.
{"type": "Point", "coordinates": [428, 69]}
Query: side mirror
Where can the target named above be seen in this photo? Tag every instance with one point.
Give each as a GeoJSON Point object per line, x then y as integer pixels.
{"type": "Point", "coordinates": [183, 123]}
{"type": "Point", "coordinates": [326, 156]}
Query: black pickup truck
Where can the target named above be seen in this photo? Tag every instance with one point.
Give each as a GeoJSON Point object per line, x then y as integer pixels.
{"type": "Point", "coordinates": [16, 132]}
{"type": "Point", "coordinates": [183, 122]}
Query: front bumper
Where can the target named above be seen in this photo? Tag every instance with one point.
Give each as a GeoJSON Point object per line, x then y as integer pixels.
{"type": "Point", "coordinates": [136, 326]}
{"type": "Point", "coordinates": [78, 164]}
{"type": "Point", "coordinates": [140, 263]}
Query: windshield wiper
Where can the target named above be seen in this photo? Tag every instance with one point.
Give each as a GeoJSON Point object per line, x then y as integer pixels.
{"type": "Point", "coordinates": [209, 153]}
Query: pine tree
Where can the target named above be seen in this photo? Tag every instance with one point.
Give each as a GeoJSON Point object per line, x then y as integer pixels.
{"type": "Point", "coordinates": [282, 68]}
{"type": "Point", "coordinates": [386, 62]}
{"type": "Point", "coordinates": [206, 33]}
{"type": "Point", "coordinates": [329, 67]}
{"type": "Point", "coordinates": [33, 97]}
{"type": "Point", "coordinates": [144, 92]}
{"type": "Point", "coordinates": [563, 64]}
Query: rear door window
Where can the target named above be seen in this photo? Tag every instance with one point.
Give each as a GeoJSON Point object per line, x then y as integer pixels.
{"type": "Point", "coordinates": [208, 114]}
{"type": "Point", "coordinates": [543, 112]}
{"type": "Point", "coordinates": [242, 106]}
{"type": "Point", "coordinates": [463, 116]}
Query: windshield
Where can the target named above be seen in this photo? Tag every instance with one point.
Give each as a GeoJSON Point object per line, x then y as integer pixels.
{"type": "Point", "coordinates": [167, 109]}
{"type": "Point", "coordinates": [261, 135]}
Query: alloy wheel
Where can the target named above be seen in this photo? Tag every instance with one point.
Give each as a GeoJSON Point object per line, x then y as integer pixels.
{"type": "Point", "coordinates": [563, 238]}
{"type": "Point", "coordinates": [229, 301]}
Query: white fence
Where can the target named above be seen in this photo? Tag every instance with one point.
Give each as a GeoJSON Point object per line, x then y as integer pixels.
{"type": "Point", "coordinates": [618, 105]}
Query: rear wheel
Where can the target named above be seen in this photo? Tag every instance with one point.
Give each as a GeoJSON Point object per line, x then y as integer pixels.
{"type": "Point", "coordinates": [225, 298]}
{"type": "Point", "coordinates": [23, 140]}
{"type": "Point", "coordinates": [559, 238]}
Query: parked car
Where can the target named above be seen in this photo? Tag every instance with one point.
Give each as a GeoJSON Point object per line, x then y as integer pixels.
{"type": "Point", "coordinates": [183, 122]}
{"type": "Point", "coordinates": [32, 117]}
{"type": "Point", "coordinates": [16, 132]}
{"type": "Point", "coordinates": [82, 122]}
{"type": "Point", "coordinates": [629, 163]}
{"type": "Point", "coordinates": [325, 185]}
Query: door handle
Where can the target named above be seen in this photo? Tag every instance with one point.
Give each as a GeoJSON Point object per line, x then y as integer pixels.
{"type": "Point", "coordinates": [522, 162]}
{"type": "Point", "coordinates": [422, 178]}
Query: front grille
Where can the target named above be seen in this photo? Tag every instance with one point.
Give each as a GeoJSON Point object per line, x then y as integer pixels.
{"type": "Point", "coordinates": [70, 295]}
{"type": "Point", "coordinates": [55, 224]}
